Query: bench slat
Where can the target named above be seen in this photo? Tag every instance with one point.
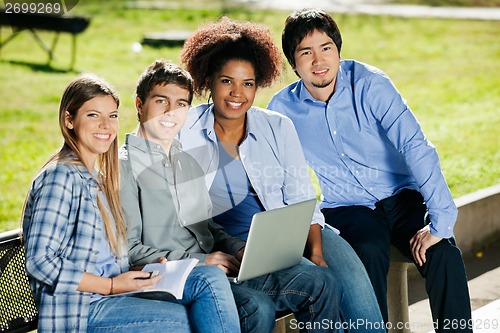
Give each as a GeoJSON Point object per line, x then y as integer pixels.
{"type": "Point", "coordinates": [66, 23]}
{"type": "Point", "coordinates": [18, 312]}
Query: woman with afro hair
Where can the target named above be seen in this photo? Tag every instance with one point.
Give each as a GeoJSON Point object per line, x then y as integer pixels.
{"type": "Point", "coordinates": [252, 160]}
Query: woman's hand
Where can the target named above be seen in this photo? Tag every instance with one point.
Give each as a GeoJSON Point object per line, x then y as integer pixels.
{"type": "Point", "coordinates": [132, 281]}
{"type": "Point", "coordinates": [318, 260]}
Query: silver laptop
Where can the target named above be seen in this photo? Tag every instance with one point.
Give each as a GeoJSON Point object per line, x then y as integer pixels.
{"type": "Point", "coordinates": [276, 240]}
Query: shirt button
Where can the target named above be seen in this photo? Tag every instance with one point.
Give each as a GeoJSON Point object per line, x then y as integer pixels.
{"type": "Point", "coordinates": [334, 132]}
{"type": "Point", "coordinates": [342, 154]}
{"type": "Point", "coordinates": [242, 155]}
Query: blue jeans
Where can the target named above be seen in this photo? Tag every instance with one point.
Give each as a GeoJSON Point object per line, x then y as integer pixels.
{"type": "Point", "coordinates": [310, 292]}
{"type": "Point", "coordinates": [207, 306]}
{"type": "Point", "coordinates": [358, 307]}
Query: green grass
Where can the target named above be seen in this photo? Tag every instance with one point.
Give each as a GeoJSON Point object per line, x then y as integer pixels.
{"type": "Point", "coordinates": [446, 69]}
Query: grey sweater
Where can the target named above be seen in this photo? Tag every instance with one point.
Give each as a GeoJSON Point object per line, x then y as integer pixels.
{"type": "Point", "coordinates": [166, 205]}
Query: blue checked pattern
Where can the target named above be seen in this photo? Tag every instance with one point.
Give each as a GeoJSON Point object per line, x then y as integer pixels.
{"type": "Point", "coordinates": [62, 230]}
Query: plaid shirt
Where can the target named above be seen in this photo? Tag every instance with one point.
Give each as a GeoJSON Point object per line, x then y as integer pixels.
{"type": "Point", "coordinates": [61, 227]}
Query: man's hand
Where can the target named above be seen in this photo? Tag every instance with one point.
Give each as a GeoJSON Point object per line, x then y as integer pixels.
{"type": "Point", "coordinates": [240, 253]}
{"type": "Point", "coordinates": [161, 260]}
{"type": "Point", "coordinates": [228, 263]}
{"type": "Point", "coordinates": [419, 244]}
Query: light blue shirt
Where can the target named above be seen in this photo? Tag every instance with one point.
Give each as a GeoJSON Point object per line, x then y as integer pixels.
{"type": "Point", "coordinates": [106, 263]}
{"type": "Point", "coordinates": [270, 153]}
{"type": "Point", "coordinates": [365, 144]}
{"type": "Point", "coordinates": [233, 198]}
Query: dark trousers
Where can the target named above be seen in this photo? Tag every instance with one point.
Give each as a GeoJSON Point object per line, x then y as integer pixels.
{"type": "Point", "coordinates": [395, 220]}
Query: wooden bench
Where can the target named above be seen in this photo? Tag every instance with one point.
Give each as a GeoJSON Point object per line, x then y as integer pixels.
{"type": "Point", "coordinates": [19, 22]}
{"type": "Point", "coordinates": [283, 322]}
{"type": "Point", "coordinates": [18, 311]}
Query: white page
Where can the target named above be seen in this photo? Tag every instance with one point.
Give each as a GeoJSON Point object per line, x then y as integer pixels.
{"type": "Point", "coordinates": [174, 274]}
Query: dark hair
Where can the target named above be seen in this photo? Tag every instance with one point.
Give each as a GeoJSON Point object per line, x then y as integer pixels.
{"type": "Point", "coordinates": [213, 45]}
{"type": "Point", "coordinates": [163, 72]}
{"type": "Point", "coordinates": [301, 23]}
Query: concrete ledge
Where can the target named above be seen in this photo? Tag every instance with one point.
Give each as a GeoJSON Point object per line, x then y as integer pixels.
{"type": "Point", "coordinates": [478, 221]}
{"type": "Point", "coordinates": [486, 318]}
{"type": "Point", "coordinates": [478, 217]}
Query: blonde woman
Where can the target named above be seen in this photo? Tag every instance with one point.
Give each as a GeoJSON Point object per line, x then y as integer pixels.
{"type": "Point", "coordinates": [74, 231]}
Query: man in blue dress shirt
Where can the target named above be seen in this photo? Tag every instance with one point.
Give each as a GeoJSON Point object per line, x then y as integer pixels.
{"type": "Point", "coordinates": [380, 177]}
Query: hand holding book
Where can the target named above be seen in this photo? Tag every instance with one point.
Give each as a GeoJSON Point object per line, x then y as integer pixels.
{"type": "Point", "coordinates": [173, 276]}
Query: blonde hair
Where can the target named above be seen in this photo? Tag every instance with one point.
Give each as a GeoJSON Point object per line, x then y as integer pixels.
{"type": "Point", "coordinates": [80, 90]}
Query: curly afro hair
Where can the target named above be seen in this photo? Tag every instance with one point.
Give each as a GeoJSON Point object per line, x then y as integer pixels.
{"type": "Point", "coordinates": [211, 46]}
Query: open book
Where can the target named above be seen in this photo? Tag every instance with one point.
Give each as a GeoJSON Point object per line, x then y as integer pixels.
{"type": "Point", "coordinates": [174, 274]}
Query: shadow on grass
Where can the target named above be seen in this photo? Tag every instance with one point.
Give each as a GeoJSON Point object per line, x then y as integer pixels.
{"type": "Point", "coordinates": [36, 67]}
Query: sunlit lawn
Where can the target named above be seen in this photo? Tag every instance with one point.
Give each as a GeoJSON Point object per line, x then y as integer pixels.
{"type": "Point", "coordinates": [448, 70]}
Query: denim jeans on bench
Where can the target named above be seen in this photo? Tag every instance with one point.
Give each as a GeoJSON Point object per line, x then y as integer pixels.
{"type": "Point", "coordinates": [310, 292]}
{"type": "Point", "coordinates": [211, 306]}
{"type": "Point", "coordinates": [359, 307]}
